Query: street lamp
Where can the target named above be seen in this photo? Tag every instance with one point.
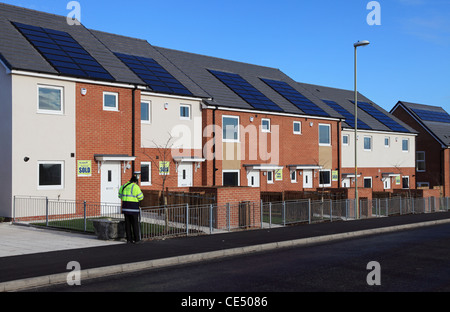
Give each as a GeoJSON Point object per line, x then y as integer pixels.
{"type": "Point", "coordinates": [356, 45]}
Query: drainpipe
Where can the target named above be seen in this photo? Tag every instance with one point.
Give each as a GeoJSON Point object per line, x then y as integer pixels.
{"type": "Point", "coordinates": [214, 146]}
{"type": "Point", "coordinates": [133, 127]}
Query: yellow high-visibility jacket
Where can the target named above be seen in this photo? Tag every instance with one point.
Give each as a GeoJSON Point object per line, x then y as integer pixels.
{"type": "Point", "coordinates": [131, 195]}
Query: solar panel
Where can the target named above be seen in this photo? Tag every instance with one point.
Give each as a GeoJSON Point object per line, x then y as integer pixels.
{"type": "Point", "coordinates": [349, 117]}
{"type": "Point", "coordinates": [153, 74]}
{"type": "Point", "coordinates": [295, 97]}
{"type": "Point", "coordinates": [246, 91]}
{"type": "Point", "coordinates": [381, 117]}
{"type": "Point", "coordinates": [432, 116]}
{"type": "Point", "coordinates": [63, 52]}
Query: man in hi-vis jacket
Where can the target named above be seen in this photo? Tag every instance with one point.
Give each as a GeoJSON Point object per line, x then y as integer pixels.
{"type": "Point", "coordinates": [130, 193]}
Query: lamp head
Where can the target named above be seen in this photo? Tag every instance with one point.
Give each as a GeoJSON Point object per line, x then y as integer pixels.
{"type": "Point", "coordinates": [361, 43]}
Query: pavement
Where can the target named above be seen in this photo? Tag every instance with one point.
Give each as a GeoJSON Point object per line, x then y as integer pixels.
{"type": "Point", "coordinates": [31, 257]}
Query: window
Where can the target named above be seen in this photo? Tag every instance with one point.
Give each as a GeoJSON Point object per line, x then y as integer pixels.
{"type": "Point", "coordinates": [367, 143]}
{"type": "Point", "coordinates": [405, 182]}
{"type": "Point", "coordinates": [50, 100]}
{"type": "Point", "coordinates": [297, 127]}
{"type": "Point", "coordinates": [345, 139]}
{"type": "Point", "coordinates": [110, 101]}
{"type": "Point", "coordinates": [185, 112]}
{"type": "Point", "coordinates": [324, 135]}
{"type": "Point", "coordinates": [146, 173]}
{"type": "Point", "coordinates": [368, 182]}
{"type": "Point", "coordinates": [50, 175]}
{"type": "Point", "coordinates": [265, 125]}
{"type": "Point", "coordinates": [387, 142]}
{"type": "Point", "coordinates": [230, 129]}
{"type": "Point", "coordinates": [293, 176]}
{"type": "Point", "coordinates": [405, 145]}
{"type": "Point", "coordinates": [324, 178]}
{"type": "Point", "coordinates": [146, 112]}
{"type": "Point", "coordinates": [230, 177]}
{"type": "Point", "coordinates": [420, 161]}
{"type": "Point", "coordinates": [423, 184]}
{"type": "Point", "coordinates": [269, 176]}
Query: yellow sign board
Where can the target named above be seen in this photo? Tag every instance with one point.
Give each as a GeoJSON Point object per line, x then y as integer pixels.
{"type": "Point", "coordinates": [84, 168]}
{"type": "Point", "coordinates": [164, 167]}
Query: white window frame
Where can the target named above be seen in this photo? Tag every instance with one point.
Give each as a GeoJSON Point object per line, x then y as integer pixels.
{"type": "Point", "coordinates": [149, 105]}
{"type": "Point", "coordinates": [238, 172]}
{"type": "Point", "coordinates": [189, 112]}
{"type": "Point", "coordinates": [262, 125]}
{"type": "Point", "coordinates": [388, 141]}
{"type": "Point", "coordinates": [421, 161]}
{"type": "Point", "coordinates": [272, 178]}
{"type": "Point", "coordinates": [149, 182]}
{"type": "Point", "coordinates": [325, 185]}
{"type": "Point", "coordinates": [407, 140]}
{"type": "Point", "coordinates": [299, 123]}
{"type": "Point", "coordinates": [370, 143]}
{"type": "Point", "coordinates": [238, 129]}
{"type": "Point", "coordinates": [116, 107]}
{"type": "Point", "coordinates": [50, 187]}
{"type": "Point", "coordinates": [406, 177]}
{"type": "Point", "coordinates": [329, 135]}
{"type": "Point", "coordinates": [347, 136]}
{"type": "Point", "coordinates": [293, 173]}
{"type": "Point", "coordinates": [364, 182]}
{"type": "Point", "coordinates": [49, 111]}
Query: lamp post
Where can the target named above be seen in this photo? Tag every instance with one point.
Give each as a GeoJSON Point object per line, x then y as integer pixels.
{"type": "Point", "coordinates": [356, 45]}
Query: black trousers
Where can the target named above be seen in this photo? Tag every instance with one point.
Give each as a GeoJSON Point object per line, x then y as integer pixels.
{"type": "Point", "coordinates": [132, 227]}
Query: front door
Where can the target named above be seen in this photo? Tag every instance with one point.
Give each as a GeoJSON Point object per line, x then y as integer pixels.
{"type": "Point", "coordinates": [110, 184]}
{"type": "Point", "coordinates": [185, 175]}
{"type": "Point", "coordinates": [387, 183]}
{"type": "Point", "coordinates": [253, 178]}
{"type": "Point", "coordinates": [307, 179]}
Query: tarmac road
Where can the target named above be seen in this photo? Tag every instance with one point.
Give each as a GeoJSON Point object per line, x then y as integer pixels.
{"type": "Point", "coordinates": [18, 272]}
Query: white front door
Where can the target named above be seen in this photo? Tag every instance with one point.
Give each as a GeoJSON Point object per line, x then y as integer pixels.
{"type": "Point", "coordinates": [110, 184]}
{"type": "Point", "coordinates": [346, 182]}
{"type": "Point", "coordinates": [387, 183]}
{"type": "Point", "coordinates": [253, 178]}
{"type": "Point", "coordinates": [185, 174]}
{"type": "Point", "coordinates": [307, 179]}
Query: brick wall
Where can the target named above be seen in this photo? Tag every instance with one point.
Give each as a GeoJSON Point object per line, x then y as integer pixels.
{"type": "Point", "coordinates": [102, 132]}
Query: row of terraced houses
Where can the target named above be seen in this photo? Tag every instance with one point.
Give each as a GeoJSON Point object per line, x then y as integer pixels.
{"type": "Point", "coordinates": [82, 110]}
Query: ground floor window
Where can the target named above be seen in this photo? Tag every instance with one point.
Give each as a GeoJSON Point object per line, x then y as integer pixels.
{"type": "Point", "coordinates": [325, 178]}
{"type": "Point", "coordinates": [50, 174]}
{"type": "Point", "coordinates": [230, 178]}
{"type": "Point", "coordinates": [368, 182]}
{"type": "Point", "coordinates": [405, 182]}
{"type": "Point", "coordinates": [146, 176]}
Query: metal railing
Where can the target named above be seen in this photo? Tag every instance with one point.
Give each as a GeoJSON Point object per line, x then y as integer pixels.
{"type": "Point", "coordinates": [178, 220]}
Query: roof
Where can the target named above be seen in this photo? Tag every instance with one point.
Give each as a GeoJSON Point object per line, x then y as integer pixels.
{"type": "Point", "coordinates": [18, 53]}
{"type": "Point", "coordinates": [345, 99]}
{"type": "Point", "coordinates": [205, 70]}
{"type": "Point", "coordinates": [433, 118]}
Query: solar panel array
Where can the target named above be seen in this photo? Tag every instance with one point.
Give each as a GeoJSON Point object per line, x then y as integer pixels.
{"type": "Point", "coordinates": [63, 52]}
{"type": "Point", "coordinates": [246, 91]}
{"type": "Point", "coordinates": [349, 117]}
{"type": "Point", "coordinates": [432, 116]}
{"type": "Point", "coordinates": [153, 74]}
{"type": "Point", "coordinates": [295, 97]}
{"type": "Point", "coordinates": [381, 117]}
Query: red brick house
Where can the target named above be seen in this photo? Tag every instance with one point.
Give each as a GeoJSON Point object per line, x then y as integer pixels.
{"type": "Point", "coordinates": [433, 143]}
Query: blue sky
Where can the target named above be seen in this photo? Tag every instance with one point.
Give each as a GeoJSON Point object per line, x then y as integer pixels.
{"type": "Point", "coordinates": [309, 40]}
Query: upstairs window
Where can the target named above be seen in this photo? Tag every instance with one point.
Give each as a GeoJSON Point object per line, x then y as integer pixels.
{"type": "Point", "coordinates": [420, 161]}
{"type": "Point", "coordinates": [265, 125]}
{"type": "Point", "coordinates": [297, 127]}
{"type": "Point", "coordinates": [405, 145]}
{"type": "Point", "coordinates": [324, 134]}
{"type": "Point", "coordinates": [146, 112]}
{"type": "Point", "coordinates": [230, 128]}
{"type": "Point", "coordinates": [50, 100]}
{"type": "Point", "coordinates": [185, 112]}
{"type": "Point", "coordinates": [110, 101]}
